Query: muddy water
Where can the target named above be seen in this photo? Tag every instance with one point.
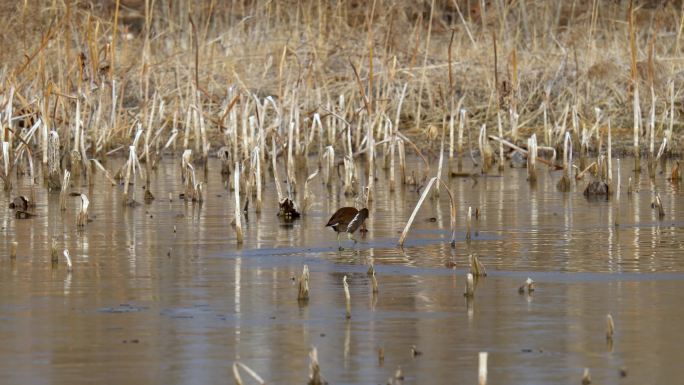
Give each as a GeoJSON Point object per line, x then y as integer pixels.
{"type": "Point", "coordinates": [147, 304]}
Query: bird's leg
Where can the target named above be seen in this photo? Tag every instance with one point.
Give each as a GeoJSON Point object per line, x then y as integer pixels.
{"type": "Point", "coordinates": [339, 244]}
{"type": "Point", "coordinates": [351, 237]}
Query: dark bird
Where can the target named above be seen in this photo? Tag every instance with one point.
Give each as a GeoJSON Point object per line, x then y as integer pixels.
{"type": "Point", "coordinates": [347, 220]}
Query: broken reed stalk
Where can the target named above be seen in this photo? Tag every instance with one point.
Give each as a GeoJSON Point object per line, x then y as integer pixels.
{"type": "Point", "coordinates": [501, 149]}
{"type": "Point", "coordinates": [68, 261]}
{"type": "Point", "coordinates": [528, 286]}
{"type": "Point", "coordinates": [82, 217]}
{"type": "Point", "coordinates": [13, 250]}
{"type": "Point", "coordinates": [610, 327]}
{"type": "Point", "coordinates": [404, 233]}
{"type": "Point", "coordinates": [252, 373]}
{"type": "Point", "coordinates": [634, 82]}
{"type": "Point", "coordinates": [477, 269]}
{"type": "Point", "coordinates": [64, 190]}
{"type": "Point", "coordinates": [532, 159]}
{"type": "Point", "coordinates": [482, 368]}
{"type": "Point", "coordinates": [658, 204]}
{"type": "Point", "coordinates": [303, 293]}
{"type": "Point", "coordinates": [347, 297]}
{"type": "Point", "coordinates": [470, 286]}
{"type": "Point", "coordinates": [238, 213]}
{"type": "Point", "coordinates": [315, 377]}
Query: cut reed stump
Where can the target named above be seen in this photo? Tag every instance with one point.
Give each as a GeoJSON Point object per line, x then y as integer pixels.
{"type": "Point", "coordinates": [303, 293]}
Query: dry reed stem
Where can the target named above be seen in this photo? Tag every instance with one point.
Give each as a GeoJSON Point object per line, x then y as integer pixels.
{"type": "Point", "coordinates": [426, 190]}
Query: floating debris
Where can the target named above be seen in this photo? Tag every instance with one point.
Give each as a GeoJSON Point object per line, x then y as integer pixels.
{"type": "Point", "coordinates": [381, 356]}
{"type": "Point", "coordinates": [415, 352]}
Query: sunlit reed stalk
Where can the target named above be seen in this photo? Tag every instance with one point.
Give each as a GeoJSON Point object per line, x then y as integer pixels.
{"type": "Point", "coordinates": [64, 191]}
{"type": "Point", "coordinates": [238, 213]}
{"type": "Point", "coordinates": [651, 124]}
{"type": "Point", "coordinates": [308, 196]}
{"type": "Point", "coordinates": [531, 158]}
{"type": "Point", "coordinates": [547, 128]}
{"type": "Point", "coordinates": [441, 160]}
{"type": "Point", "coordinates": [392, 177]}
{"type": "Point", "coordinates": [565, 183]}
{"type": "Point", "coordinates": [67, 258]}
{"type": "Point", "coordinates": [257, 160]}
{"type": "Point", "coordinates": [426, 191]}
{"type": "Point", "coordinates": [13, 250]}
{"type": "Point", "coordinates": [469, 291]}
{"type": "Point", "coordinates": [402, 160]}
{"type": "Point", "coordinates": [252, 373]}
{"type": "Point", "coordinates": [462, 125]}
{"type": "Point", "coordinates": [291, 179]}
{"type": "Point", "coordinates": [329, 163]}
{"type": "Point", "coordinates": [100, 167]}
{"type": "Point", "coordinates": [501, 148]}
{"type": "Point", "coordinates": [303, 292]}
{"type": "Point", "coordinates": [658, 204]}
{"type": "Point", "coordinates": [668, 133]}
{"type": "Point", "coordinates": [610, 156]}
{"type": "Point", "coordinates": [371, 275]}
{"type": "Point", "coordinates": [469, 223]}
{"type": "Point", "coordinates": [347, 297]}
{"type": "Point", "coordinates": [54, 252]}
{"type": "Point", "coordinates": [610, 327]}
{"type": "Point", "coordinates": [482, 368]}
{"type": "Point", "coordinates": [477, 269]}
{"type": "Point", "coordinates": [485, 149]}
{"type": "Point", "coordinates": [6, 163]}
{"type": "Point", "coordinates": [637, 122]}
{"type": "Point", "coordinates": [82, 217]}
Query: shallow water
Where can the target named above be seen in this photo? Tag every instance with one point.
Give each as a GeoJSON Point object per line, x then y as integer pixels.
{"type": "Point", "coordinates": [147, 304]}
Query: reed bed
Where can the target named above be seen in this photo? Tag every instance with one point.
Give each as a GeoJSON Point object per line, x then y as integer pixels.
{"type": "Point", "coordinates": [337, 90]}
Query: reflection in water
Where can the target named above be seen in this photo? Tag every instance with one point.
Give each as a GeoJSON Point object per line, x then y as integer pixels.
{"type": "Point", "coordinates": [182, 305]}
